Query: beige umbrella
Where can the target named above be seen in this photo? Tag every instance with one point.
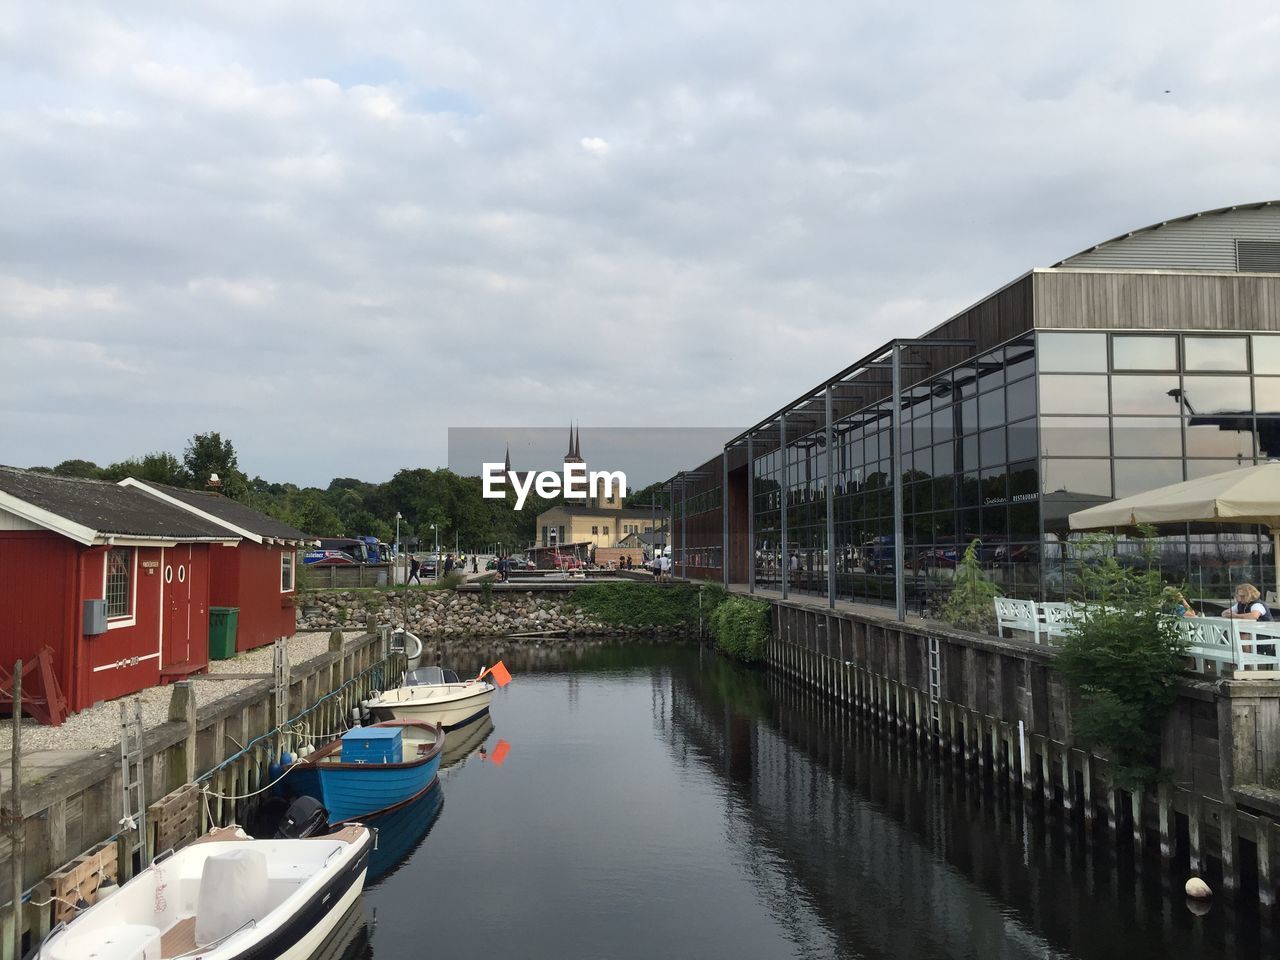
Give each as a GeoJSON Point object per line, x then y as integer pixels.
{"type": "Point", "coordinates": [1249, 495]}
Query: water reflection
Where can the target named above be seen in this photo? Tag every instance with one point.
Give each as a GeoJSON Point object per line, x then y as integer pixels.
{"type": "Point", "coordinates": [400, 832]}
{"type": "Point", "coordinates": [663, 802]}
{"type": "Point", "coordinates": [903, 857]}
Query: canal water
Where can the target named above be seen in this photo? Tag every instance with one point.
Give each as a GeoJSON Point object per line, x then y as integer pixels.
{"type": "Point", "coordinates": [651, 801]}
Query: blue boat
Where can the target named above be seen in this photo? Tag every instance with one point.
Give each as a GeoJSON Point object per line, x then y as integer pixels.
{"type": "Point", "coordinates": [370, 769]}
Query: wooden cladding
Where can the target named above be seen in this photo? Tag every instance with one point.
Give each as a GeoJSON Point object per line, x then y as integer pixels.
{"type": "Point", "coordinates": [1072, 299]}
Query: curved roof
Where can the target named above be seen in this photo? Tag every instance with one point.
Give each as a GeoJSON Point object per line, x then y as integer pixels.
{"type": "Point", "coordinates": [1163, 224]}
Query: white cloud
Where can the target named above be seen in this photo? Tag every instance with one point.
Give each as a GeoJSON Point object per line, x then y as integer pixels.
{"type": "Point", "coordinates": [306, 190]}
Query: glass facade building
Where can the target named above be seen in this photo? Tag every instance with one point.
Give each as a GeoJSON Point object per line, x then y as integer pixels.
{"type": "Point", "coordinates": [1074, 385]}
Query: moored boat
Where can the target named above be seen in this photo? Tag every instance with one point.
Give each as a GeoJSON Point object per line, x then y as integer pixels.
{"type": "Point", "coordinates": [370, 769]}
{"type": "Point", "coordinates": [434, 695]}
{"type": "Point", "coordinates": [225, 896]}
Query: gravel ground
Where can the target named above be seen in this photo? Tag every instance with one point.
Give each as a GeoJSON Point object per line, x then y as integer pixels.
{"type": "Point", "coordinates": [99, 726]}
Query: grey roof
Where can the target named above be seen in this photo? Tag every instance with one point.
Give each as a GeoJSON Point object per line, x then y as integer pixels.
{"type": "Point", "coordinates": [232, 511]}
{"type": "Point", "coordinates": [107, 508]}
{"type": "Point", "coordinates": [575, 510]}
{"type": "Point", "coordinates": [1083, 255]}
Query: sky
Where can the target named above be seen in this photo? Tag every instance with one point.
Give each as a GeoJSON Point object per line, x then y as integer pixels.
{"type": "Point", "coordinates": [334, 231]}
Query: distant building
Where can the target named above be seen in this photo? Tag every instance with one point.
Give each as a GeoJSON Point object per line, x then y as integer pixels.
{"type": "Point", "coordinates": [602, 521]}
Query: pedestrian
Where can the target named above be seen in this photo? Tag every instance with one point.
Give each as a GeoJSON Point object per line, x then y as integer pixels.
{"type": "Point", "coordinates": [502, 568]}
{"type": "Point", "coordinates": [414, 566]}
{"type": "Point", "coordinates": [448, 564]}
{"type": "Point", "coordinates": [475, 564]}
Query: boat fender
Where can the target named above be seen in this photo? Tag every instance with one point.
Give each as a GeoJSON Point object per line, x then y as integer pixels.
{"type": "Point", "coordinates": [356, 716]}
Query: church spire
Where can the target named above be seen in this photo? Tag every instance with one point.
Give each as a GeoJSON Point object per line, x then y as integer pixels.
{"type": "Point", "coordinates": [508, 462]}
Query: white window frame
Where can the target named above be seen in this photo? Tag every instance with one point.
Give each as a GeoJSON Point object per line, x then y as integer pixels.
{"type": "Point", "coordinates": [131, 618]}
{"type": "Point", "coordinates": [292, 567]}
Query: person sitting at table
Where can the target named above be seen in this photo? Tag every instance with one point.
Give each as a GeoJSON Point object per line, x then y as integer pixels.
{"type": "Point", "coordinates": [1249, 606]}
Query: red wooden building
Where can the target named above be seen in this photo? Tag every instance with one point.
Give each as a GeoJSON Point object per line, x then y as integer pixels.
{"type": "Point", "coordinates": [257, 574]}
{"type": "Point", "coordinates": [114, 582]}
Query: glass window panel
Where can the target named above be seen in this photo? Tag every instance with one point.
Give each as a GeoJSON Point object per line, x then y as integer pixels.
{"type": "Point", "coordinates": [1148, 436]}
{"type": "Point", "coordinates": [1072, 352]}
{"type": "Point", "coordinates": [991, 447]}
{"type": "Point", "coordinates": [944, 458]}
{"type": "Point", "coordinates": [1151, 396]}
{"type": "Point", "coordinates": [1024, 481]}
{"type": "Point", "coordinates": [969, 416]}
{"type": "Point", "coordinates": [994, 487]}
{"type": "Point", "coordinates": [1021, 399]}
{"type": "Point", "coordinates": [1266, 396]}
{"type": "Point", "coordinates": [966, 380]}
{"type": "Point", "coordinates": [942, 424]}
{"type": "Point", "coordinates": [970, 490]}
{"type": "Point", "coordinates": [1266, 354]}
{"type": "Point", "coordinates": [1207, 468]}
{"type": "Point", "coordinates": [991, 409]}
{"type": "Point", "coordinates": [1068, 394]}
{"type": "Point", "coordinates": [991, 370]}
{"type": "Point", "coordinates": [1219, 437]}
{"type": "Point", "coordinates": [1209, 395]}
{"type": "Point", "coordinates": [1138, 476]}
{"type": "Point", "coordinates": [1024, 521]}
{"type": "Point", "coordinates": [1215, 353]}
{"type": "Point", "coordinates": [944, 493]}
{"type": "Point", "coordinates": [1269, 437]}
{"type": "Point", "coordinates": [968, 525]}
{"type": "Point", "coordinates": [1075, 436]}
{"type": "Point", "coordinates": [944, 524]}
{"type": "Point", "coordinates": [1087, 479]}
{"type": "Point", "coordinates": [1022, 439]}
{"type": "Point", "coordinates": [1020, 361]}
{"type": "Point", "coordinates": [995, 522]}
{"type": "Point", "coordinates": [969, 452]}
{"type": "Point", "coordinates": [1144, 353]}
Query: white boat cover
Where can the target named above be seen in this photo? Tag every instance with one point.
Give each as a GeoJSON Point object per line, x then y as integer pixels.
{"type": "Point", "coordinates": [233, 891]}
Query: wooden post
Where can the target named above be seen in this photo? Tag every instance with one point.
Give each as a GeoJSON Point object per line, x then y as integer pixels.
{"type": "Point", "coordinates": [16, 826]}
{"type": "Point", "coordinates": [1164, 798]}
{"type": "Point", "coordinates": [182, 709]}
{"type": "Point", "coordinates": [1227, 832]}
{"type": "Point", "coordinates": [1262, 837]}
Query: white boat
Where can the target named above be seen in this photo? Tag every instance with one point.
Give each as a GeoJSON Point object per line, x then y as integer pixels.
{"type": "Point", "coordinates": [225, 896]}
{"type": "Point", "coordinates": [433, 695]}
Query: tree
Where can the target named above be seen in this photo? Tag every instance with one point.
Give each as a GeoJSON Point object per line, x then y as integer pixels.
{"type": "Point", "coordinates": [971, 604]}
{"type": "Point", "coordinates": [85, 469]}
{"type": "Point", "coordinates": [1122, 656]}
{"type": "Point", "coordinates": [159, 467]}
{"type": "Point", "coordinates": [207, 454]}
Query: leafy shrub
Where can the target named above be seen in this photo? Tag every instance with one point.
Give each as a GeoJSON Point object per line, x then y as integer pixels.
{"type": "Point", "coordinates": [741, 627]}
{"type": "Point", "coordinates": [971, 603]}
{"type": "Point", "coordinates": [1122, 657]}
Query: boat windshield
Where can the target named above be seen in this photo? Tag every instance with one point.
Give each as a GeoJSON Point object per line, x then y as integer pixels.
{"type": "Point", "coordinates": [429, 675]}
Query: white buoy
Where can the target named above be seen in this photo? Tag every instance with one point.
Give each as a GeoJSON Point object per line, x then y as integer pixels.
{"type": "Point", "coordinates": [1197, 889]}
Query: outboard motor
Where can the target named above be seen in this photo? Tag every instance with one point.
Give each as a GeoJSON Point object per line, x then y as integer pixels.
{"type": "Point", "coordinates": [305, 817]}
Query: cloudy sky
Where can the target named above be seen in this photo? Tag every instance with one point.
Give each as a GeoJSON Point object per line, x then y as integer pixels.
{"type": "Point", "coordinates": [333, 230]}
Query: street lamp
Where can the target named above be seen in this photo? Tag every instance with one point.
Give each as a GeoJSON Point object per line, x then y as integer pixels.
{"type": "Point", "coordinates": [398, 519]}
{"type": "Point", "coordinates": [436, 531]}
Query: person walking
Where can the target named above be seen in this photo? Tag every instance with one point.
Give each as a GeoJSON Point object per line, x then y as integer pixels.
{"type": "Point", "coordinates": [414, 567]}
{"type": "Point", "coordinates": [475, 563]}
{"type": "Point", "coordinates": [448, 564]}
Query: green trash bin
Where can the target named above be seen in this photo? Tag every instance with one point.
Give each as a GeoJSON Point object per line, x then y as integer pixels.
{"type": "Point", "coordinates": [222, 632]}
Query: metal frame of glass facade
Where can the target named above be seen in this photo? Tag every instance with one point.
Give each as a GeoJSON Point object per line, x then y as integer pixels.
{"type": "Point", "coordinates": [1001, 448]}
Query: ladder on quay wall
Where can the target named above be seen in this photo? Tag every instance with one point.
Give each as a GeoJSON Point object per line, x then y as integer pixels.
{"type": "Point", "coordinates": [133, 822]}
{"type": "Point", "coordinates": [935, 684]}
{"type": "Point", "coordinates": [280, 680]}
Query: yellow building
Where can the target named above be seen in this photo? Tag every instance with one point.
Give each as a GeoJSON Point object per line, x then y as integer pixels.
{"type": "Point", "coordinates": [601, 521]}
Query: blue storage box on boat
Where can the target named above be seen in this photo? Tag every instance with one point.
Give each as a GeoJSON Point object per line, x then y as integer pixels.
{"type": "Point", "coordinates": [372, 745]}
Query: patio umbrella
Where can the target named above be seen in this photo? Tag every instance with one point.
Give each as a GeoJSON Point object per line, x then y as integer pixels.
{"type": "Point", "coordinates": [1249, 495]}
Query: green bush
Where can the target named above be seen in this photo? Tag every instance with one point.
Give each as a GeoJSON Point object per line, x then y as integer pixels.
{"type": "Point", "coordinates": [971, 603]}
{"type": "Point", "coordinates": [1122, 657]}
{"type": "Point", "coordinates": [637, 604]}
{"type": "Point", "coordinates": [741, 627]}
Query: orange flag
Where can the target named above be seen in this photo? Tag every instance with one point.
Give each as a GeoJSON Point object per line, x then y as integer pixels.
{"type": "Point", "coordinates": [501, 676]}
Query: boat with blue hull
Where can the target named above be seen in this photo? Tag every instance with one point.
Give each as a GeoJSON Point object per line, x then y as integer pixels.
{"type": "Point", "coordinates": [370, 769]}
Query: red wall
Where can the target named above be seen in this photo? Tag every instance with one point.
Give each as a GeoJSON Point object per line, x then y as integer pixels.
{"type": "Point", "coordinates": [47, 577]}
{"type": "Point", "coordinates": [248, 577]}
